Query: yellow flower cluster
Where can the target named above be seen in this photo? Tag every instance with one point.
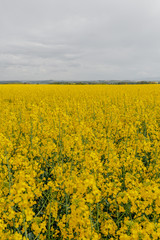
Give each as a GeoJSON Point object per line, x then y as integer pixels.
{"type": "Point", "coordinates": [79, 162]}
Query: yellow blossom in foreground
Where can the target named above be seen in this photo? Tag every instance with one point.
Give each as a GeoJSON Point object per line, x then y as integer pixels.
{"type": "Point", "coordinates": [80, 162]}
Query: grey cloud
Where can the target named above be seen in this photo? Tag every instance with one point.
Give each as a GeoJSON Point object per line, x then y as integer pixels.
{"type": "Point", "coordinates": [34, 49]}
{"type": "Point", "coordinates": [87, 39]}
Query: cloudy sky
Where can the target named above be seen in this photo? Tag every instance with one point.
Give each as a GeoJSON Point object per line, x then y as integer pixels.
{"type": "Point", "coordinates": [79, 40]}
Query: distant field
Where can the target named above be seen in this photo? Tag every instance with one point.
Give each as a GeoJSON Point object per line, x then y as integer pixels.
{"type": "Point", "coordinates": [79, 162]}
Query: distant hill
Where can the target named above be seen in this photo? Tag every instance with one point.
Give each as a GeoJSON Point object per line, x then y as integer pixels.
{"type": "Point", "coordinates": [80, 82]}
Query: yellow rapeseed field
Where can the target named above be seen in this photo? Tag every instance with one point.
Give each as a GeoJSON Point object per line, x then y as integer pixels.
{"type": "Point", "coordinates": [79, 162]}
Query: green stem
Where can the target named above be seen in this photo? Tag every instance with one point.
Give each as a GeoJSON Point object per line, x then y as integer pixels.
{"type": "Point", "coordinates": [24, 223]}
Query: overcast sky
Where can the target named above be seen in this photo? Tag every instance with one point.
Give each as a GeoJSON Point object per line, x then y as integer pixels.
{"type": "Point", "coordinates": [79, 39]}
